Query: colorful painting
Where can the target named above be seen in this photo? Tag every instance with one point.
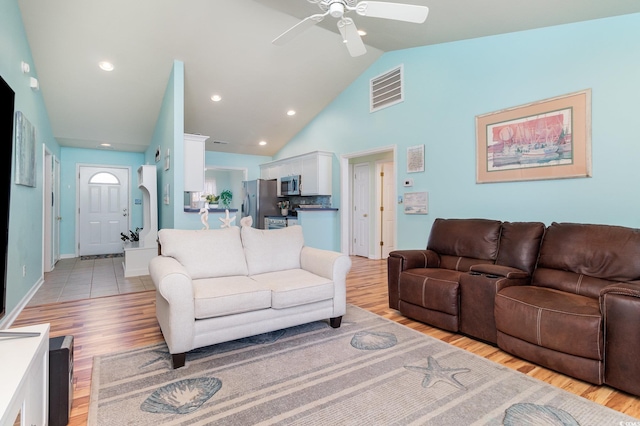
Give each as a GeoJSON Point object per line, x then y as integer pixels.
{"type": "Point", "coordinates": [546, 140]}
{"type": "Point", "coordinates": [25, 151]}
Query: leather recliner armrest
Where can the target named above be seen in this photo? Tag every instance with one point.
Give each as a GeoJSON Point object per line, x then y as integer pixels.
{"type": "Point", "coordinates": [411, 259]}
{"type": "Point", "coordinates": [499, 271]}
{"type": "Point", "coordinates": [401, 260]}
{"type": "Point", "coordinates": [620, 307]}
{"type": "Point", "coordinates": [625, 289]}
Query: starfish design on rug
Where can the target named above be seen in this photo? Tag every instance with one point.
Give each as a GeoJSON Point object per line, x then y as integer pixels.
{"type": "Point", "coordinates": [434, 373]}
{"type": "Point", "coordinates": [226, 221]}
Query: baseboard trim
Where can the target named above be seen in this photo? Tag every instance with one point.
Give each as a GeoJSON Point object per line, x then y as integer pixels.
{"type": "Point", "coordinates": [8, 320]}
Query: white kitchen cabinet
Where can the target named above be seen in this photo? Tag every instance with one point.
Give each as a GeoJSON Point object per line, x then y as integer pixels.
{"type": "Point", "coordinates": [194, 162]}
{"type": "Point", "coordinates": [316, 174]}
{"type": "Point", "coordinates": [272, 171]}
{"type": "Point", "coordinates": [315, 169]}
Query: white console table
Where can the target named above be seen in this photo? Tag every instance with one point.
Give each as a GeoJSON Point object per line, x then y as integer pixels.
{"type": "Point", "coordinates": [137, 256]}
{"type": "Point", "coordinates": [24, 369]}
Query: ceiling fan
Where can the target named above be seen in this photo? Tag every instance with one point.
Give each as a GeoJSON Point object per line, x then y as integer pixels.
{"type": "Point", "coordinates": [348, 30]}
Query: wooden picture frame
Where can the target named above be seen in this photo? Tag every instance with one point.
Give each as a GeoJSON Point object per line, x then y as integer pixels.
{"type": "Point", "coordinates": [416, 203]}
{"type": "Point", "coordinates": [415, 159]}
{"type": "Point", "coordinates": [548, 139]}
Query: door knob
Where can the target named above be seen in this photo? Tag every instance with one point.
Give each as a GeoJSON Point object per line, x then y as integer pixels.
{"type": "Point", "coordinates": [365, 215]}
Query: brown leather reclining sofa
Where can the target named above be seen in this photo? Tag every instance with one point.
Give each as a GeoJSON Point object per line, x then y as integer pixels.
{"type": "Point", "coordinates": [566, 296]}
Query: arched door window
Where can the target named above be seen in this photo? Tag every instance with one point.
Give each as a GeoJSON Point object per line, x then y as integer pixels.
{"type": "Point", "coordinates": [104, 178]}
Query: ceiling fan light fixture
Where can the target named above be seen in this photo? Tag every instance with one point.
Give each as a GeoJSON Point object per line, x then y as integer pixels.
{"type": "Point", "coordinates": [336, 9]}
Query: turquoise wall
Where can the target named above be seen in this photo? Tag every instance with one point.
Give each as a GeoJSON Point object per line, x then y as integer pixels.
{"type": "Point", "coordinates": [26, 219]}
{"type": "Point", "coordinates": [69, 161]}
{"type": "Point", "coordinates": [168, 135]}
{"type": "Point", "coordinates": [448, 85]}
{"type": "Point", "coordinates": [250, 162]}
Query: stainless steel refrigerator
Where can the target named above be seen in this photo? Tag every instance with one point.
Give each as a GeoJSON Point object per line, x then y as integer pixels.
{"type": "Point", "coordinates": [259, 198]}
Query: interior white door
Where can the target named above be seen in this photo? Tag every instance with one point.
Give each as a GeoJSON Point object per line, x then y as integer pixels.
{"type": "Point", "coordinates": [56, 209]}
{"type": "Point", "coordinates": [47, 245]}
{"type": "Point", "coordinates": [360, 237]}
{"type": "Point", "coordinates": [104, 209]}
{"type": "Point", "coordinates": [388, 209]}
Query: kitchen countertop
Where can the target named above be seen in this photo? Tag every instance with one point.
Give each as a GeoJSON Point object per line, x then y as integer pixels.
{"type": "Point", "coordinates": [317, 209]}
{"type": "Point", "coordinates": [192, 210]}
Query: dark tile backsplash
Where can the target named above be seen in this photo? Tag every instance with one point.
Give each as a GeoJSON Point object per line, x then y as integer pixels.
{"type": "Point", "coordinates": [321, 200]}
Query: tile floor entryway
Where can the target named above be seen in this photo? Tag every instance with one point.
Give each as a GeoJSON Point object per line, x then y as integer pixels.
{"type": "Point", "coordinates": [75, 279]}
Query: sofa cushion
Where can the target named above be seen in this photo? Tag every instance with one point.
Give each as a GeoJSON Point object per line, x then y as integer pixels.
{"type": "Point", "coordinates": [217, 297]}
{"type": "Point", "coordinates": [272, 250]}
{"type": "Point", "coordinates": [432, 288]}
{"type": "Point", "coordinates": [520, 245]}
{"type": "Point", "coordinates": [556, 320]}
{"type": "Point", "coordinates": [295, 287]}
{"type": "Point", "coordinates": [599, 251]}
{"type": "Point", "coordinates": [205, 253]}
{"type": "Point", "coordinates": [471, 238]}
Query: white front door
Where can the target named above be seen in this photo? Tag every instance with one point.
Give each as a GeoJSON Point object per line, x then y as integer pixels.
{"type": "Point", "coordinates": [360, 210]}
{"type": "Point", "coordinates": [104, 209]}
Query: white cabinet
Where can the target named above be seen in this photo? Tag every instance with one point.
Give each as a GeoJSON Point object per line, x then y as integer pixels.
{"type": "Point", "coordinates": [316, 174]}
{"type": "Point", "coordinates": [194, 162]}
{"type": "Point", "coordinates": [314, 168]}
{"type": "Point", "coordinates": [138, 254]}
{"type": "Point", "coordinates": [24, 368]}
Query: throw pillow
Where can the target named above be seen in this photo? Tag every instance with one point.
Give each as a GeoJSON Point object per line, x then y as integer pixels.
{"type": "Point", "coordinates": [205, 253]}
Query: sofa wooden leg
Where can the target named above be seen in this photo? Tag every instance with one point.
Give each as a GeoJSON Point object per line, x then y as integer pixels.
{"type": "Point", "coordinates": [178, 360]}
{"type": "Point", "coordinates": [335, 322]}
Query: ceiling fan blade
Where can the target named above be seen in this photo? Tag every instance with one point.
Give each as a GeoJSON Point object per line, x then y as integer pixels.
{"type": "Point", "coordinates": [298, 29]}
{"type": "Point", "coordinates": [396, 11]}
{"type": "Point", "coordinates": [352, 39]}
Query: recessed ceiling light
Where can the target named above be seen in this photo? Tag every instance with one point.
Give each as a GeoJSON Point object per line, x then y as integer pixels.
{"type": "Point", "coordinates": [262, 143]}
{"type": "Point", "coordinates": [362, 32]}
{"type": "Point", "coordinates": [105, 144]}
{"type": "Point", "coordinates": [216, 98]}
{"type": "Point", "coordinates": [106, 66]}
{"type": "Point", "coordinates": [291, 112]}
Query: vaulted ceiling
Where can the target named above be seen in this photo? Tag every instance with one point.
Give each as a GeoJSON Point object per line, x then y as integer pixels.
{"type": "Point", "coordinates": [226, 49]}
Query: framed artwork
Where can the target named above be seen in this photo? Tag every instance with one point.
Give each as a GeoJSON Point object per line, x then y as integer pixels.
{"type": "Point", "coordinates": [548, 139]}
{"type": "Point", "coordinates": [25, 151]}
{"type": "Point", "coordinates": [415, 159]}
{"type": "Point", "coordinates": [416, 203]}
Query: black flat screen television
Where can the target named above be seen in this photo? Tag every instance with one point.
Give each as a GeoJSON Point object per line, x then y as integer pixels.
{"type": "Point", "coordinates": [7, 98]}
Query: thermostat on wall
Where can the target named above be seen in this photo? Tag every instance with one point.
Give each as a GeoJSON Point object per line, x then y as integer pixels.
{"type": "Point", "coordinates": [408, 182]}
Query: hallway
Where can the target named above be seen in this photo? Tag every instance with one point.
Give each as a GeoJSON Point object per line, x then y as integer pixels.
{"type": "Point", "coordinates": [75, 279]}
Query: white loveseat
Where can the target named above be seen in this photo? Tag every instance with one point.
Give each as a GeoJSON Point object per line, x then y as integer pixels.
{"type": "Point", "coordinates": [219, 285]}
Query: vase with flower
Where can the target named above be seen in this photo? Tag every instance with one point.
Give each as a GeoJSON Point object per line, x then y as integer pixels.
{"type": "Point", "coordinates": [210, 201]}
{"type": "Point", "coordinates": [284, 207]}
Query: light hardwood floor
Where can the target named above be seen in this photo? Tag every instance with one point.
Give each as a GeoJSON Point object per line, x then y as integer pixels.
{"type": "Point", "coordinates": [115, 323]}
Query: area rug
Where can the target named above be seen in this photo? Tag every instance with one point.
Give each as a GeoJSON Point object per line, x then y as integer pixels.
{"type": "Point", "coordinates": [370, 371]}
{"type": "Point", "coordinates": [101, 256]}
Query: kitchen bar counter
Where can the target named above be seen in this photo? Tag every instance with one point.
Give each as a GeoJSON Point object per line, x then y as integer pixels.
{"type": "Point", "coordinates": [320, 227]}
{"type": "Point", "coordinates": [193, 210]}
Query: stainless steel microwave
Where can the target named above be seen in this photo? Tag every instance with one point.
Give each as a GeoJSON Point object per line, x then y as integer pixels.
{"type": "Point", "coordinates": [290, 185]}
